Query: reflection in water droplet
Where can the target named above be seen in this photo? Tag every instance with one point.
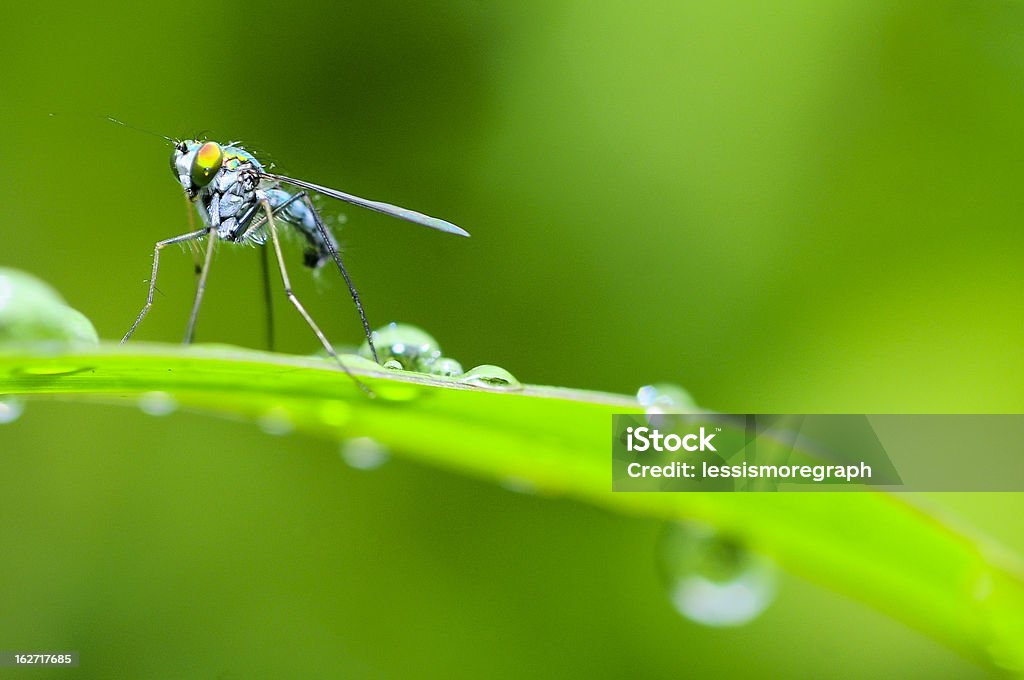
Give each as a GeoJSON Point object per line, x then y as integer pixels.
{"type": "Point", "coordinates": [446, 367]}
{"type": "Point", "coordinates": [364, 453]}
{"type": "Point", "coordinates": [713, 579]}
{"type": "Point", "coordinates": [276, 421]}
{"type": "Point", "coordinates": [11, 409]}
{"type": "Point", "coordinates": [413, 348]}
{"type": "Point", "coordinates": [157, 403]}
{"type": "Point", "coordinates": [393, 365]}
{"type": "Point", "coordinates": [490, 376]}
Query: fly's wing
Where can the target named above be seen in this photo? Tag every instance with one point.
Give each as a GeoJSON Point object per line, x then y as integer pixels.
{"type": "Point", "coordinates": [386, 208]}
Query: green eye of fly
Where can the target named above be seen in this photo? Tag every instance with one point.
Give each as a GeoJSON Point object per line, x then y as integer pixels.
{"type": "Point", "coordinates": [207, 163]}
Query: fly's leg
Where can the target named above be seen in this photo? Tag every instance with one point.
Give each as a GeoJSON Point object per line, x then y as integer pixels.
{"type": "Point", "coordinates": [329, 242]}
{"type": "Point", "coordinates": [197, 264]}
{"type": "Point", "coordinates": [268, 299]}
{"type": "Point", "coordinates": [272, 228]}
{"type": "Point", "coordinates": [333, 250]}
{"type": "Point", "coordinates": [184, 238]}
{"type": "Point", "coordinates": [200, 287]}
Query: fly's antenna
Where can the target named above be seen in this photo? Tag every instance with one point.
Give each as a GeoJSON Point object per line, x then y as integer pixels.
{"type": "Point", "coordinates": [138, 129]}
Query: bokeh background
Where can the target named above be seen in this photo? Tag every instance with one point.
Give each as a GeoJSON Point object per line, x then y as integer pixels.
{"type": "Point", "coordinates": [784, 207]}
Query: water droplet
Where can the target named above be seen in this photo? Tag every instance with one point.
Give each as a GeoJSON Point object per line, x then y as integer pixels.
{"type": "Point", "coordinates": [32, 311]}
{"type": "Point", "coordinates": [11, 409]}
{"type": "Point", "coordinates": [412, 347]}
{"type": "Point", "coordinates": [490, 376]}
{"type": "Point", "coordinates": [157, 403]}
{"type": "Point", "coordinates": [665, 398]}
{"type": "Point", "coordinates": [277, 421]}
{"type": "Point", "coordinates": [713, 579]}
{"type": "Point", "coordinates": [393, 365]}
{"type": "Point", "coordinates": [364, 453]}
{"type": "Point", "coordinates": [446, 367]}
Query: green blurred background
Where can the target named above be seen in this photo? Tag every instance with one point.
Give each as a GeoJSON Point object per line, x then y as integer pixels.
{"type": "Point", "coordinates": [785, 207]}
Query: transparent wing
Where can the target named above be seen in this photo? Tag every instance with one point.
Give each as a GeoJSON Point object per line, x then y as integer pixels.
{"type": "Point", "coordinates": [386, 208]}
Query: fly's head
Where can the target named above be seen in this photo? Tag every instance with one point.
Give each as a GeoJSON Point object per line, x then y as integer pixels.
{"type": "Point", "coordinates": [195, 164]}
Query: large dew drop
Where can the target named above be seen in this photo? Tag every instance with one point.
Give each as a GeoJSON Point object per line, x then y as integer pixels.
{"type": "Point", "coordinates": [413, 348]}
{"type": "Point", "coordinates": [713, 579]}
{"type": "Point", "coordinates": [10, 409]}
{"type": "Point", "coordinates": [32, 311]}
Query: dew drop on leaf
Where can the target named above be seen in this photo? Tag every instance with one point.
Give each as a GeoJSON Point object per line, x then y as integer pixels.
{"type": "Point", "coordinates": [32, 311]}
{"type": "Point", "coordinates": [446, 367]}
{"type": "Point", "coordinates": [364, 453]}
{"type": "Point", "coordinates": [713, 579]}
{"type": "Point", "coordinates": [665, 398]}
{"type": "Point", "coordinates": [11, 409]}
{"type": "Point", "coordinates": [157, 403]}
{"type": "Point", "coordinates": [413, 348]}
{"type": "Point", "coordinates": [490, 376]}
{"type": "Point", "coordinates": [277, 421]}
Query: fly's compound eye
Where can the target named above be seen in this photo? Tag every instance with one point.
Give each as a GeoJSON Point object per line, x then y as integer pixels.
{"type": "Point", "coordinates": [207, 163]}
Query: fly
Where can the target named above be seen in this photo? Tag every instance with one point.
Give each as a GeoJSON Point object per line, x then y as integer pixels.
{"type": "Point", "coordinates": [239, 201]}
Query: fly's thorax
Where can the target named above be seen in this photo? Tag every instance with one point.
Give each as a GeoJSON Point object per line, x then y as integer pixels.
{"type": "Point", "coordinates": [237, 158]}
{"type": "Point", "coordinates": [230, 196]}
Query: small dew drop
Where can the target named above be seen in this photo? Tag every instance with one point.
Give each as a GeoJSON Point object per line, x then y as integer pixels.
{"type": "Point", "coordinates": [660, 399]}
{"type": "Point", "coordinates": [490, 376]}
{"type": "Point", "coordinates": [10, 409]}
{"type": "Point", "coordinates": [393, 365]}
{"type": "Point", "coordinates": [665, 398]}
{"type": "Point", "coordinates": [446, 367]}
{"type": "Point", "coordinates": [276, 421]}
{"type": "Point", "coordinates": [713, 579]}
{"type": "Point", "coordinates": [364, 453]}
{"type": "Point", "coordinates": [157, 404]}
